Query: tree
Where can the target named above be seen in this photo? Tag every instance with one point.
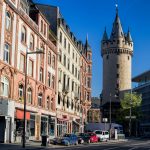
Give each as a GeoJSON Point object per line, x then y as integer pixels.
{"type": "Point", "coordinates": [131, 100]}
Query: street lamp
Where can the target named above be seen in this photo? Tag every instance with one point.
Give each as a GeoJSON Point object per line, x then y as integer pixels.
{"type": "Point", "coordinates": [38, 51]}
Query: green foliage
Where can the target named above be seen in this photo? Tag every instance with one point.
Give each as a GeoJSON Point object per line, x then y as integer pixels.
{"type": "Point", "coordinates": [131, 100]}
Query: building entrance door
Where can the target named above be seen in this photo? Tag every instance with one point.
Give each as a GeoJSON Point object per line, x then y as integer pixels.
{"type": "Point", "coordinates": [8, 130]}
{"type": "Point", "coordinates": [2, 129]}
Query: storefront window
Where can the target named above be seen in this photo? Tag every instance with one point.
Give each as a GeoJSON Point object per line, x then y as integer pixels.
{"type": "Point", "coordinates": [44, 125]}
{"type": "Point", "coordinates": [32, 125]}
{"type": "Point", "coordinates": [51, 126]}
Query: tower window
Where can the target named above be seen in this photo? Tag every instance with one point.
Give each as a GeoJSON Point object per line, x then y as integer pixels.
{"type": "Point", "coordinates": [128, 57]}
{"type": "Point", "coordinates": [117, 75]}
{"type": "Point", "coordinates": [118, 41]}
{"type": "Point", "coordinates": [117, 65]}
{"type": "Point", "coordinates": [107, 57]}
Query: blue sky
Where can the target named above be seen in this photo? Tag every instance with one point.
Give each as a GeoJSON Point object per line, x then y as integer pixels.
{"type": "Point", "coordinates": [91, 16]}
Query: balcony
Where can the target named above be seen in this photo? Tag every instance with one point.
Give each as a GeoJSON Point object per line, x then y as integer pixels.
{"type": "Point", "coordinates": [28, 19]}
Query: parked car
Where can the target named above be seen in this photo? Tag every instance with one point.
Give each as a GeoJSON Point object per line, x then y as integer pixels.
{"type": "Point", "coordinates": [67, 139]}
{"type": "Point", "coordinates": [102, 135]}
{"type": "Point", "coordinates": [83, 138]}
{"type": "Point", "coordinates": [92, 137]}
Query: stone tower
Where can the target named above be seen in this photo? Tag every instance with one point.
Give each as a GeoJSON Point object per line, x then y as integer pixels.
{"type": "Point", "coordinates": [116, 52]}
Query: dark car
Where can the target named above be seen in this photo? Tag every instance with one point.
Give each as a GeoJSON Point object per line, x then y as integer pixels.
{"type": "Point", "coordinates": [67, 139]}
{"type": "Point", "coordinates": [83, 138]}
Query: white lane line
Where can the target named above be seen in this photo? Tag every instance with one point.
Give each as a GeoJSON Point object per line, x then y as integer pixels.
{"type": "Point", "coordinates": [133, 148]}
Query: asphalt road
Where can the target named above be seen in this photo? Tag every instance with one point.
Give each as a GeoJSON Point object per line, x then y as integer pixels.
{"type": "Point", "coordinates": [143, 144]}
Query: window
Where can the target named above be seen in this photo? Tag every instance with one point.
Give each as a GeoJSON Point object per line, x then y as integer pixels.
{"type": "Point", "coordinates": [53, 61]}
{"type": "Point", "coordinates": [22, 63]}
{"type": "Point", "coordinates": [60, 37]}
{"type": "Point", "coordinates": [65, 43]}
{"type": "Point", "coordinates": [89, 82]}
{"type": "Point", "coordinates": [117, 65]}
{"type": "Point", "coordinates": [40, 99]}
{"type": "Point", "coordinates": [89, 69]}
{"type": "Point", "coordinates": [76, 72]}
{"type": "Point", "coordinates": [69, 48]}
{"type": "Point", "coordinates": [68, 64]}
{"type": "Point", "coordinates": [49, 79]}
{"type": "Point", "coordinates": [53, 82]}
{"type": "Point", "coordinates": [128, 57]}
{"type": "Point", "coordinates": [68, 82]}
{"type": "Point", "coordinates": [73, 54]}
{"type": "Point", "coordinates": [41, 74]}
{"type": "Point", "coordinates": [72, 105]}
{"type": "Point", "coordinates": [49, 58]}
{"type": "Point", "coordinates": [4, 87]}
{"type": "Point", "coordinates": [47, 102]}
{"type": "Point", "coordinates": [31, 42]}
{"type": "Point", "coordinates": [60, 74]}
{"type": "Point", "coordinates": [107, 57]}
{"type": "Point", "coordinates": [64, 60]}
{"type": "Point", "coordinates": [59, 98]}
{"type": "Point", "coordinates": [44, 29]}
{"type": "Point", "coordinates": [72, 68]}
{"type": "Point", "coordinates": [89, 57]}
{"type": "Point", "coordinates": [21, 92]}
{"type": "Point", "coordinates": [30, 68]}
{"type": "Point", "coordinates": [52, 104]}
{"type": "Point", "coordinates": [67, 102]}
{"type": "Point", "coordinates": [23, 34]}
{"type": "Point", "coordinates": [8, 21]}
{"type": "Point", "coordinates": [72, 85]}
{"type": "Point", "coordinates": [117, 75]}
{"type": "Point", "coordinates": [63, 101]}
{"type": "Point", "coordinates": [29, 95]}
{"type": "Point", "coordinates": [7, 53]}
{"type": "Point", "coordinates": [60, 56]}
{"type": "Point", "coordinates": [41, 26]}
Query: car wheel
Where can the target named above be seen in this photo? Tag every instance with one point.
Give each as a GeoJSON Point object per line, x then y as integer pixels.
{"type": "Point", "coordinates": [76, 143]}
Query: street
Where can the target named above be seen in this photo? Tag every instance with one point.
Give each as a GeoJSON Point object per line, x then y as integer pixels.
{"type": "Point", "coordinates": [141, 144]}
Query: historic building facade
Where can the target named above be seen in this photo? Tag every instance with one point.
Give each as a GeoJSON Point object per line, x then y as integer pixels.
{"type": "Point", "coordinates": [24, 29]}
{"type": "Point", "coordinates": [74, 74]}
{"type": "Point", "coordinates": [116, 52]}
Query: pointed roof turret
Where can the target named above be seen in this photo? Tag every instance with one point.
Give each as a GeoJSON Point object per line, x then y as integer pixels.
{"type": "Point", "coordinates": [128, 37]}
{"type": "Point", "coordinates": [87, 46]}
{"type": "Point", "coordinates": [117, 30]}
{"type": "Point", "coordinates": [105, 36]}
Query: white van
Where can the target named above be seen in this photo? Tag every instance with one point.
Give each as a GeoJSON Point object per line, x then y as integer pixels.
{"type": "Point", "coordinates": [102, 135]}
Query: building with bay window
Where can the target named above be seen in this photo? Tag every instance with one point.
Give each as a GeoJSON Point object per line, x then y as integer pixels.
{"type": "Point", "coordinates": [24, 28]}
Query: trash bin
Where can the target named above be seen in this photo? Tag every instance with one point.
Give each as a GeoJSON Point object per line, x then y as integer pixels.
{"type": "Point", "coordinates": [44, 140]}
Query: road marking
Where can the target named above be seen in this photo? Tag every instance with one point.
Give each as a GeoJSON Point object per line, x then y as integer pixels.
{"type": "Point", "coordinates": [133, 148]}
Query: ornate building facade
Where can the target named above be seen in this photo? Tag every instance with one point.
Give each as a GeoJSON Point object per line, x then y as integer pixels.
{"type": "Point", "coordinates": [24, 28]}
{"type": "Point", "coordinates": [116, 51]}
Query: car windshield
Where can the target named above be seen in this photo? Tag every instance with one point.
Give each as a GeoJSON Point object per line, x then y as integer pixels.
{"type": "Point", "coordinates": [67, 135]}
{"type": "Point", "coordinates": [98, 132]}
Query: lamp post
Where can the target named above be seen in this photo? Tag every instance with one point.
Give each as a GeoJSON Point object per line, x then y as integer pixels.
{"type": "Point", "coordinates": [110, 117]}
{"type": "Point", "coordinates": [130, 121]}
{"type": "Point", "coordinates": [25, 93]}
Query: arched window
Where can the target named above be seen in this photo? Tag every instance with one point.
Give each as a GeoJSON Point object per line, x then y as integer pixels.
{"type": "Point", "coordinates": [29, 95]}
{"type": "Point", "coordinates": [8, 21]}
{"type": "Point", "coordinates": [31, 42]}
{"type": "Point", "coordinates": [40, 99]}
{"type": "Point", "coordinates": [47, 102]}
{"type": "Point", "coordinates": [49, 58]}
{"type": "Point", "coordinates": [52, 103]}
{"type": "Point", "coordinates": [4, 87]}
{"type": "Point", "coordinates": [23, 34]}
{"type": "Point", "coordinates": [21, 92]}
{"type": "Point", "coordinates": [6, 56]}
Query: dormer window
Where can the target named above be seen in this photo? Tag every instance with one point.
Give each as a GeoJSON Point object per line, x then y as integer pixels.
{"type": "Point", "coordinates": [8, 21]}
{"type": "Point", "coordinates": [24, 6]}
{"type": "Point", "coordinates": [23, 34]}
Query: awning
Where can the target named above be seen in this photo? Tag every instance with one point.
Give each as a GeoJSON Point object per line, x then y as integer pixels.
{"type": "Point", "coordinates": [20, 114]}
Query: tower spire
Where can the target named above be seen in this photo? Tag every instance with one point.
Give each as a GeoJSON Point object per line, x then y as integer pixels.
{"type": "Point", "coordinates": [105, 36]}
{"type": "Point", "coordinates": [129, 38]}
